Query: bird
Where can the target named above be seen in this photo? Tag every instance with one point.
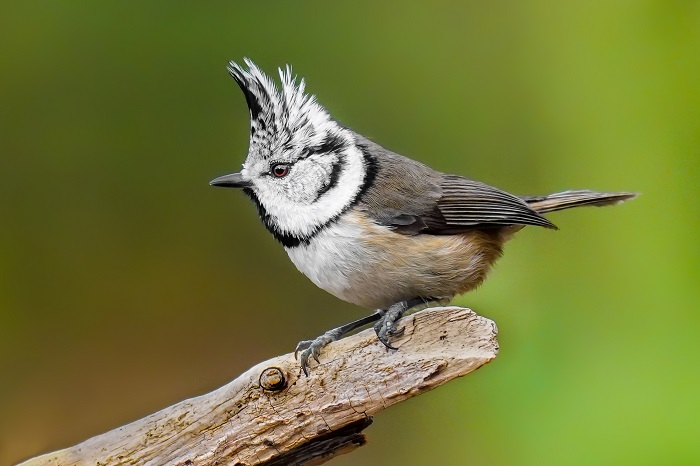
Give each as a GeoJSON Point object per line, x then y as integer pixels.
{"type": "Point", "coordinates": [370, 226]}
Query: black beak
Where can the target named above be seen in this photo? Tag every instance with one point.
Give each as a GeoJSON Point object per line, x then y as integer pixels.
{"type": "Point", "coordinates": [234, 180]}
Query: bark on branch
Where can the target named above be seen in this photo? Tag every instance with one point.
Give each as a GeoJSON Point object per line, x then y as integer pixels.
{"type": "Point", "coordinates": [274, 415]}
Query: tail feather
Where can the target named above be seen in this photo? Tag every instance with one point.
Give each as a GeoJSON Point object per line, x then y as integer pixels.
{"type": "Point", "coordinates": [569, 199]}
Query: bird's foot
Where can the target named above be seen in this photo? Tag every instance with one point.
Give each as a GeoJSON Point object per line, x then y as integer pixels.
{"type": "Point", "coordinates": [312, 348]}
{"type": "Point", "coordinates": [386, 326]}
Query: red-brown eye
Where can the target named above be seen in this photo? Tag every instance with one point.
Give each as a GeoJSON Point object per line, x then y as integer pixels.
{"type": "Point", "coordinates": [280, 170]}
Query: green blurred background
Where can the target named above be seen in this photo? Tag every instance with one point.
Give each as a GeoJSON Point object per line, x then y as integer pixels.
{"type": "Point", "coordinates": [128, 284]}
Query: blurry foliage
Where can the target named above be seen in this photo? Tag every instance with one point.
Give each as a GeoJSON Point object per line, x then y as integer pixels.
{"type": "Point", "coordinates": [127, 283]}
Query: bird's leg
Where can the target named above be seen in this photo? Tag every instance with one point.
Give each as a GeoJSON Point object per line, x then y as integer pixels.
{"type": "Point", "coordinates": [312, 348]}
{"type": "Point", "coordinates": [386, 326]}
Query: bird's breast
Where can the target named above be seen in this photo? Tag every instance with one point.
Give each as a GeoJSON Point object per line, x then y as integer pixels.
{"type": "Point", "coordinates": [372, 266]}
{"type": "Point", "coordinates": [332, 258]}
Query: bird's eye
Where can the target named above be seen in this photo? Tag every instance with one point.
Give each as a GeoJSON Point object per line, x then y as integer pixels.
{"type": "Point", "coordinates": [280, 170]}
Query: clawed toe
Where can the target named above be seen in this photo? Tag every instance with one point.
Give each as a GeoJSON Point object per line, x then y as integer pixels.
{"type": "Point", "coordinates": [312, 349]}
{"type": "Point", "coordinates": [301, 346]}
{"type": "Point", "coordinates": [386, 326]}
{"type": "Point", "coordinates": [386, 330]}
{"type": "Point", "coordinates": [385, 340]}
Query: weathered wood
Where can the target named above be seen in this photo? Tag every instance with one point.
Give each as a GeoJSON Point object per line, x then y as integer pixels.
{"type": "Point", "coordinates": [274, 415]}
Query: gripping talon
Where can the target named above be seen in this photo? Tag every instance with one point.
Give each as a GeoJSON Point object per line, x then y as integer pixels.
{"type": "Point", "coordinates": [303, 362]}
{"type": "Point", "coordinates": [386, 325]}
{"type": "Point", "coordinates": [310, 348]}
{"type": "Point", "coordinates": [386, 343]}
{"type": "Point", "coordinates": [301, 346]}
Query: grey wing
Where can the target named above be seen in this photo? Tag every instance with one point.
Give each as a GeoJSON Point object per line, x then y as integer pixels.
{"type": "Point", "coordinates": [413, 198]}
{"type": "Point", "coordinates": [466, 204]}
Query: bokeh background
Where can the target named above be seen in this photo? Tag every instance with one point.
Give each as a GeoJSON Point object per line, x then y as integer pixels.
{"type": "Point", "coordinates": [128, 284]}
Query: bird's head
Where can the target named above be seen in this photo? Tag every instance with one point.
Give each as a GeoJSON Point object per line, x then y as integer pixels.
{"type": "Point", "coordinates": [303, 169]}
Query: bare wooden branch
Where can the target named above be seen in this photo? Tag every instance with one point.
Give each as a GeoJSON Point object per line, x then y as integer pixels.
{"type": "Point", "coordinates": [274, 415]}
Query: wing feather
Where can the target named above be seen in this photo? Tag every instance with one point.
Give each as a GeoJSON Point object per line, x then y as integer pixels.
{"type": "Point", "coordinates": [470, 203]}
{"type": "Point", "coordinates": [414, 199]}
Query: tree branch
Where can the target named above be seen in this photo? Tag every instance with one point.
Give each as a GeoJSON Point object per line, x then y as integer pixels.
{"type": "Point", "coordinates": [274, 415]}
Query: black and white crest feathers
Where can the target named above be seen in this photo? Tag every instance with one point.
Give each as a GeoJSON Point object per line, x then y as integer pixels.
{"type": "Point", "coordinates": [277, 113]}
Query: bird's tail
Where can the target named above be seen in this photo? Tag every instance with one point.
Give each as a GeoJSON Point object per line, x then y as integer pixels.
{"type": "Point", "coordinates": [568, 199]}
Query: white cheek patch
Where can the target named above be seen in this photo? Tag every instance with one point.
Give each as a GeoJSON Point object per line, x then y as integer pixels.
{"type": "Point", "coordinates": [308, 178]}
{"type": "Point", "coordinates": [302, 219]}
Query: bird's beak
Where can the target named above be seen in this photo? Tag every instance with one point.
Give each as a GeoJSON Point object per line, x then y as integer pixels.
{"type": "Point", "coordinates": [234, 180]}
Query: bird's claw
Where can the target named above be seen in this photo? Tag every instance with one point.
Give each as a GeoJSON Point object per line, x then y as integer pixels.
{"type": "Point", "coordinates": [312, 349]}
{"type": "Point", "coordinates": [384, 334]}
{"type": "Point", "coordinates": [301, 346]}
{"type": "Point", "coordinates": [386, 326]}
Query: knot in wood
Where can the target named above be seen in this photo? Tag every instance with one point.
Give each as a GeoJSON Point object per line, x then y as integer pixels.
{"type": "Point", "coordinates": [272, 379]}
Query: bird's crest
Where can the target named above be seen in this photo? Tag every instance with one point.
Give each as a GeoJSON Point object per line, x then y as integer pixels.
{"type": "Point", "coordinates": [283, 113]}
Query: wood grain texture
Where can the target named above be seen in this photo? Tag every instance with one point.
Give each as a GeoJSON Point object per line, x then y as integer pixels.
{"type": "Point", "coordinates": [274, 415]}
